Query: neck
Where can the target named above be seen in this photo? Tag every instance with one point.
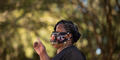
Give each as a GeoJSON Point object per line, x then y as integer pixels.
{"type": "Point", "coordinates": [61, 48]}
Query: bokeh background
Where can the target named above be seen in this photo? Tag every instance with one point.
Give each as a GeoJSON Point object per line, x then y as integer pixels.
{"type": "Point", "coordinates": [23, 21]}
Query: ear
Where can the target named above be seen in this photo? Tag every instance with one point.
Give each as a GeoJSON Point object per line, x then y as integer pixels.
{"type": "Point", "coordinates": [69, 42]}
{"type": "Point", "coordinates": [70, 35]}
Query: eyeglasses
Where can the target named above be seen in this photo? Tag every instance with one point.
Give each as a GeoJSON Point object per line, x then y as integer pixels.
{"type": "Point", "coordinates": [60, 33]}
{"type": "Point", "coordinates": [58, 37]}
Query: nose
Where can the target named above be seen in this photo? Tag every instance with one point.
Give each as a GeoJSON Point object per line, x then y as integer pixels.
{"type": "Point", "coordinates": [52, 38]}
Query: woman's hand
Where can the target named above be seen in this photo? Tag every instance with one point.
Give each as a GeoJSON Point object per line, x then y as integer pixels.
{"type": "Point", "coordinates": [39, 47]}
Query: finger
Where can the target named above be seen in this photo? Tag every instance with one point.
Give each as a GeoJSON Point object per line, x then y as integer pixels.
{"type": "Point", "coordinates": [41, 44]}
{"type": "Point", "coordinates": [39, 41]}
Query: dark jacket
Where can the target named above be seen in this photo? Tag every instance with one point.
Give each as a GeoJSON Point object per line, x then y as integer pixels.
{"type": "Point", "coordinates": [70, 53]}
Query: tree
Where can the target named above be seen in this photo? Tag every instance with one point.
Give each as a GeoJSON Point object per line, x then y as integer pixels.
{"type": "Point", "coordinates": [21, 21]}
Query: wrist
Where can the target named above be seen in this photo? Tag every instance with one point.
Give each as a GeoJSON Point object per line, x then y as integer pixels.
{"type": "Point", "coordinates": [43, 53]}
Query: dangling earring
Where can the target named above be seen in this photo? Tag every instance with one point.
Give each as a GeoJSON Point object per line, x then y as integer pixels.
{"type": "Point", "coordinates": [65, 42]}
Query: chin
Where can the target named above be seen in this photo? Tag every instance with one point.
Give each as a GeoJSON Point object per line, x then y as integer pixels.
{"type": "Point", "coordinates": [55, 46]}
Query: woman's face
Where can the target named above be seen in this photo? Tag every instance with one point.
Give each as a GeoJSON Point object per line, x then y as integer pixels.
{"type": "Point", "coordinates": [59, 28]}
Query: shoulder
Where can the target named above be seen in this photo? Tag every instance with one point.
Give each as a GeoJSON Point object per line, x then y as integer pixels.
{"type": "Point", "coordinates": [72, 53]}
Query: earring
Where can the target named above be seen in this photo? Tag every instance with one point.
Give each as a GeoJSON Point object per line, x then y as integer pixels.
{"type": "Point", "coordinates": [64, 42]}
{"type": "Point", "coordinates": [68, 38]}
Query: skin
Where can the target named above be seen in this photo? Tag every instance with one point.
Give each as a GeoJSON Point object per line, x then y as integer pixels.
{"type": "Point", "coordinates": [41, 50]}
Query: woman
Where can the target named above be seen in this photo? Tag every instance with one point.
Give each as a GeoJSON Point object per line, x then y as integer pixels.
{"type": "Point", "coordinates": [65, 34]}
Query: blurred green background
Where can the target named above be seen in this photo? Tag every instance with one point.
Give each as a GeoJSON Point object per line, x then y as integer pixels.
{"type": "Point", "coordinates": [22, 21]}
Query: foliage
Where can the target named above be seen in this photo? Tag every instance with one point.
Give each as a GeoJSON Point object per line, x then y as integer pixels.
{"type": "Point", "coordinates": [22, 21]}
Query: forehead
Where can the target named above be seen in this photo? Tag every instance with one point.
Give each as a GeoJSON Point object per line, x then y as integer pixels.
{"type": "Point", "coordinates": [60, 28]}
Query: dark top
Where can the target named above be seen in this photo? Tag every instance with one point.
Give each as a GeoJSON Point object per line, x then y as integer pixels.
{"type": "Point", "coordinates": [70, 53]}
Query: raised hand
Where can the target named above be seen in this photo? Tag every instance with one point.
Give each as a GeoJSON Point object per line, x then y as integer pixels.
{"type": "Point", "coordinates": [39, 47]}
